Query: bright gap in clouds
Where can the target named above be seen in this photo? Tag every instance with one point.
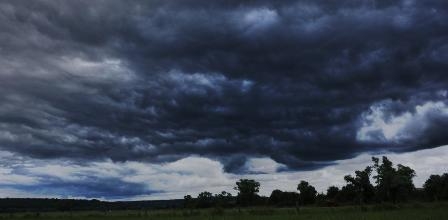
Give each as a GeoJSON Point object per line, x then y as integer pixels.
{"type": "Point", "coordinates": [379, 125]}
{"type": "Point", "coordinates": [136, 180]}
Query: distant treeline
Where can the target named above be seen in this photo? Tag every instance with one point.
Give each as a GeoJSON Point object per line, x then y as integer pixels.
{"type": "Point", "coordinates": [391, 184]}
{"type": "Point", "coordinates": [381, 182]}
{"type": "Point", "coordinates": [9, 205]}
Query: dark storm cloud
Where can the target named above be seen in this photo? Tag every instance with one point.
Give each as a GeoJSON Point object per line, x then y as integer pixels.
{"type": "Point", "coordinates": [161, 80]}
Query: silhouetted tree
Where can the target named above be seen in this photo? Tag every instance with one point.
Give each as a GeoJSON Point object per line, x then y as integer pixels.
{"type": "Point", "coordinates": [188, 201]}
{"type": "Point", "coordinates": [205, 200]}
{"type": "Point", "coordinates": [321, 199]}
{"type": "Point", "coordinates": [223, 199]}
{"type": "Point", "coordinates": [436, 187]}
{"type": "Point", "coordinates": [347, 194]}
{"type": "Point", "coordinates": [307, 193]}
{"type": "Point", "coordinates": [393, 184]}
{"type": "Point", "coordinates": [361, 183]}
{"type": "Point", "coordinates": [332, 192]}
{"type": "Point", "coordinates": [247, 191]}
{"type": "Point", "coordinates": [280, 198]}
{"type": "Point", "coordinates": [275, 197]}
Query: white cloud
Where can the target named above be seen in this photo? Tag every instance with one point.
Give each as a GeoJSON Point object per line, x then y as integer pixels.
{"type": "Point", "coordinates": [203, 83]}
{"type": "Point", "coordinates": [195, 174]}
{"type": "Point", "coordinates": [107, 69]}
{"type": "Point", "coordinates": [255, 20]}
{"type": "Point", "coordinates": [263, 165]}
{"type": "Point", "coordinates": [261, 17]}
{"type": "Point", "coordinates": [379, 126]}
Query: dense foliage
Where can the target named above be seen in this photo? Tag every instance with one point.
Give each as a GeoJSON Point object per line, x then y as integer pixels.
{"type": "Point", "coordinates": [247, 191]}
{"type": "Point", "coordinates": [436, 187]}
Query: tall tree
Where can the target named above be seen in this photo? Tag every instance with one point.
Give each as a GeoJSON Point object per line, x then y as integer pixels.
{"type": "Point", "coordinates": [347, 194]}
{"type": "Point", "coordinates": [332, 192]}
{"type": "Point", "coordinates": [361, 183]}
{"type": "Point", "coordinates": [436, 187]}
{"type": "Point", "coordinates": [307, 193]}
{"type": "Point", "coordinates": [247, 191]}
{"type": "Point", "coordinates": [393, 184]}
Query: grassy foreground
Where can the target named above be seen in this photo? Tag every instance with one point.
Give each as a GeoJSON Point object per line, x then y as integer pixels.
{"type": "Point", "coordinates": [405, 212]}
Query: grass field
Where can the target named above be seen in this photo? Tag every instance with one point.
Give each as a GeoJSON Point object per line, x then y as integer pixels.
{"type": "Point", "coordinates": [406, 212]}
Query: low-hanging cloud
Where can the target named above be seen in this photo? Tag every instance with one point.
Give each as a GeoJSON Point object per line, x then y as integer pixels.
{"type": "Point", "coordinates": [192, 175]}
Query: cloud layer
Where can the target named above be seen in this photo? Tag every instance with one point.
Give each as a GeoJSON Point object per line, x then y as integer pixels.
{"type": "Point", "coordinates": [304, 83]}
{"type": "Point", "coordinates": [26, 177]}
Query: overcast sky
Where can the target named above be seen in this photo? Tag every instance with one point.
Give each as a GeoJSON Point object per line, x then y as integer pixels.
{"type": "Point", "coordinates": [158, 99]}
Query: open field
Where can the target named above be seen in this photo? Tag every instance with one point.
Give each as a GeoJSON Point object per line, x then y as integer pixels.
{"type": "Point", "coordinates": [406, 212]}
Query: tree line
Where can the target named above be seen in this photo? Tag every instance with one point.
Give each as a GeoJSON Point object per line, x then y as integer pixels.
{"type": "Point", "coordinates": [380, 182]}
{"type": "Point", "coordinates": [12, 205]}
{"type": "Point", "coordinates": [377, 183]}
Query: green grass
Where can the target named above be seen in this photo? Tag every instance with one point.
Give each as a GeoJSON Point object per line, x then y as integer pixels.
{"type": "Point", "coordinates": [404, 212]}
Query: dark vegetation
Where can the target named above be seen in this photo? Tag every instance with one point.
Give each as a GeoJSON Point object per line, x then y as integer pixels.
{"type": "Point", "coordinates": [9, 205]}
{"type": "Point", "coordinates": [382, 184]}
